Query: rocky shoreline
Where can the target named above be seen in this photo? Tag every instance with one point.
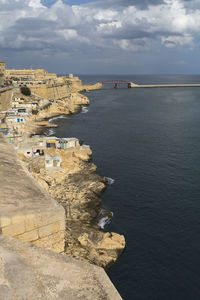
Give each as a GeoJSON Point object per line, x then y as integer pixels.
{"type": "Point", "coordinates": [76, 186]}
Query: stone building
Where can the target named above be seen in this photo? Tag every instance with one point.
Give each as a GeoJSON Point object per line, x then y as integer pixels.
{"type": "Point", "coordinates": [30, 74]}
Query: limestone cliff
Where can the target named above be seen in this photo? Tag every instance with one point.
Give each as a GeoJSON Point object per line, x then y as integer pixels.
{"type": "Point", "coordinates": [78, 188]}
{"type": "Point", "coordinates": [87, 87]}
{"type": "Point", "coordinates": [62, 90]}
{"type": "Point", "coordinates": [68, 105]}
{"type": "Point", "coordinates": [64, 106]}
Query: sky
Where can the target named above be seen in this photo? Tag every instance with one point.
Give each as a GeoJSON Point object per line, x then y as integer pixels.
{"type": "Point", "coordinates": [101, 36]}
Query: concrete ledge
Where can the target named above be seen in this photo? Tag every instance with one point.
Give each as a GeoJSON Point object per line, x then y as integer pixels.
{"type": "Point", "coordinates": [28, 272]}
{"type": "Point", "coordinates": [27, 212]}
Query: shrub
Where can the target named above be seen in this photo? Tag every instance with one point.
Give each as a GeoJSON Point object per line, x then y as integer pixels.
{"type": "Point", "coordinates": [34, 111]}
{"type": "Point", "coordinates": [25, 91]}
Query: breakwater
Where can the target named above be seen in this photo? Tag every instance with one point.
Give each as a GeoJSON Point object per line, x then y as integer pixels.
{"type": "Point", "coordinates": [133, 85]}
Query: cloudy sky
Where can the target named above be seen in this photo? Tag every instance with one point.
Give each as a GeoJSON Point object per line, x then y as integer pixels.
{"type": "Point", "coordinates": [102, 36]}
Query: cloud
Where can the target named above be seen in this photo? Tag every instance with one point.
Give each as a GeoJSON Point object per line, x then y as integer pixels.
{"type": "Point", "coordinates": [98, 28]}
{"type": "Point", "coordinates": [125, 3]}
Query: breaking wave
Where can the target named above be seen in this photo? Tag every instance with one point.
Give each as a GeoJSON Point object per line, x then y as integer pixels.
{"type": "Point", "coordinates": [110, 180]}
{"type": "Point", "coordinates": [104, 218]}
{"type": "Point", "coordinates": [59, 117]}
{"type": "Point", "coordinates": [50, 132]}
{"type": "Point", "coordinates": [84, 110]}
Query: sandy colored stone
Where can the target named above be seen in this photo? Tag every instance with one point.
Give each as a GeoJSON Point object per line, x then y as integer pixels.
{"type": "Point", "coordinates": [29, 236]}
{"type": "Point", "coordinates": [24, 205]}
{"type": "Point", "coordinates": [14, 229]}
{"type": "Point", "coordinates": [5, 221]}
{"type": "Point", "coordinates": [48, 241]}
{"type": "Point", "coordinates": [50, 217]}
{"type": "Point", "coordinates": [18, 219]}
{"type": "Point", "coordinates": [83, 240]}
{"type": "Point", "coordinates": [29, 272]}
{"type": "Point", "coordinates": [112, 241]}
{"type": "Point", "coordinates": [78, 188]}
{"type": "Point", "coordinates": [49, 229]}
{"type": "Point", "coordinates": [31, 222]}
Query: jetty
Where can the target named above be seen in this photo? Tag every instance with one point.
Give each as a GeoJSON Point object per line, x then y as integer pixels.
{"type": "Point", "coordinates": [133, 85]}
{"type": "Point", "coordinates": [129, 84]}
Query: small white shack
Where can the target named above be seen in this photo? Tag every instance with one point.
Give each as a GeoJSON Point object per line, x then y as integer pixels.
{"type": "Point", "coordinates": [52, 162]}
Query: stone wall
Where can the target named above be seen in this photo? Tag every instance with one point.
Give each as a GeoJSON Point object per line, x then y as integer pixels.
{"type": "Point", "coordinates": [45, 230]}
{"type": "Point", "coordinates": [40, 90]}
{"type": "Point", "coordinates": [57, 92]}
{"type": "Point", "coordinates": [34, 74]}
{"type": "Point", "coordinates": [27, 212]}
{"type": "Point", "coordinates": [51, 92]}
{"type": "Point", "coordinates": [5, 98]}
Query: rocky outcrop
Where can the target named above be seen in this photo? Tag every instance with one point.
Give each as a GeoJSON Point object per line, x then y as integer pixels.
{"type": "Point", "coordinates": [64, 106]}
{"type": "Point", "coordinates": [87, 88]}
{"type": "Point", "coordinates": [78, 188]}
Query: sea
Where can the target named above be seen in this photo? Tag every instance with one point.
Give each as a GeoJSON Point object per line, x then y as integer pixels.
{"type": "Point", "coordinates": [147, 142]}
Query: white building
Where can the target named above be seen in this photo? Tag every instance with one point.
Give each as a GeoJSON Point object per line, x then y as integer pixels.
{"type": "Point", "coordinates": [52, 162]}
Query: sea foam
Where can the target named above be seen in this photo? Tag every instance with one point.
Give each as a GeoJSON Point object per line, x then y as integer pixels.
{"type": "Point", "coordinates": [84, 110]}
{"type": "Point", "coordinates": [110, 180]}
{"type": "Point", "coordinates": [50, 132]}
{"type": "Point", "coordinates": [105, 219]}
{"type": "Point", "coordinates": [59, 117]}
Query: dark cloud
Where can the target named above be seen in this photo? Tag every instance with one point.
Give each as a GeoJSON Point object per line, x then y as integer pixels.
{"type": "Point", "coordinates": [32, 25]}
{"type": "Point", "coordinates": [142, 4]}
{"type": "Point", "coordinates": [101, 31]}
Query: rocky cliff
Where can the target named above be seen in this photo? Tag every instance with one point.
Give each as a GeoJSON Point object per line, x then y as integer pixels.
{"type": "Point", "coordinates": [87, 88]}
{"type": "Point", "coordinates": [78, 188]}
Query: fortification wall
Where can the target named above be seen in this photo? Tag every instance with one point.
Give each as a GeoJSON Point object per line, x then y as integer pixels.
{"type": "Point", "coordinates": [40, 90]}
{"type": "Point", "coordinates": [5, 98]}
{"type": "Point", "coordinates": [27, 212]}
{"type": "Point", "coordinates": [34, 74]}
{"type": "Point", "coordinates": [51, 92]}
{"type": "Point", "coordinates": [45, 230]}
{"type": "Point", "coordinates": [57, 92]}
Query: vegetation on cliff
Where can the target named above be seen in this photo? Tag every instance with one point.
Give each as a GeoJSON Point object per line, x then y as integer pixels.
{"type": "Point", "coordinates": [25, 90]}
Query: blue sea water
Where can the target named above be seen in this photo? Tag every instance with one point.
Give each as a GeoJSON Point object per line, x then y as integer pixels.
{"type": "Point", "coordinates": [148, 141]}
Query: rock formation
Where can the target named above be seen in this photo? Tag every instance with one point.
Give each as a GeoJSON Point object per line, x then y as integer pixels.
{"type": "Point", "coordinates": [78, 188]}
{"type": "Point", "coordinates": [76, 185]}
